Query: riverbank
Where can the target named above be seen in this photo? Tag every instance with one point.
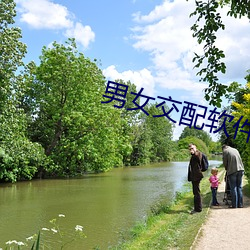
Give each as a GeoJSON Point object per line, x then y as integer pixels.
{"type": "Point", "coordinates": [171, 227]}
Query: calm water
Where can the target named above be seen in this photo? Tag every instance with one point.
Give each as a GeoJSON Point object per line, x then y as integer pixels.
{"type": "Point", "coordinates": [104, 204]}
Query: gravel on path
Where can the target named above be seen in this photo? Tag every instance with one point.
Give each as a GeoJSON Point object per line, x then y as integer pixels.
{"type": "Point", "coordinates": [225, 228]}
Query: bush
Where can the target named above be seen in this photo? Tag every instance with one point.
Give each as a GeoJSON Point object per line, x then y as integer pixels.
{"type": "Point", "coordinates": [20, 159]}
{"type": "Point", "coordinates": [201, 146]}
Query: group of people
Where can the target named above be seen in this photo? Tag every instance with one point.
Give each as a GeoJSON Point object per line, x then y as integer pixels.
{"type": "Point", "coordinates": [234, 167]}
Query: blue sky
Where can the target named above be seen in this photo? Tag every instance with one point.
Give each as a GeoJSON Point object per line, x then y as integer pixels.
{"type": "Point", "coordinates": [148, 42]}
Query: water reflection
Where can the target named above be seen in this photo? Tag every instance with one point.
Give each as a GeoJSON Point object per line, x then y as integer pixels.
{"type": "Point", "coordinates": [105, 204]}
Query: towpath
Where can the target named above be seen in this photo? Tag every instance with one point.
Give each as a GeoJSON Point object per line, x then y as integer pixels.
{"type": "Point", "coordinates": [225, 228]}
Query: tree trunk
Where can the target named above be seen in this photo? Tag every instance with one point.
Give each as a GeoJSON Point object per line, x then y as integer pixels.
{"type": "Point", "coordinates": [56, 139]}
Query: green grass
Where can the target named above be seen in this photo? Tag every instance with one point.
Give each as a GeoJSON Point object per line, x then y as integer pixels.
{"type": "Point", "coordinates": [170, 226]}
{"type": "Point", "coordinates": [246, 187]}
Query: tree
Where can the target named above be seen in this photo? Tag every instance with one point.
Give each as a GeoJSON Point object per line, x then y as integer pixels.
{"type": "Point", "coordinates": [161, 132]}
{"type": "Point", "coordinates": [78, 132]}
{"type": "Point", "coordinates": [237, 107]}
{"type": "Point", "coordinates": [242, 109]}
{"type": "Point", "coordinates": [150, 137]}
{"type": "Point", "coordinates": [201, 134]}
{"type": "Point", "coordinates": [215, 147]}
{"type": "Point", "coordinates": [12, 50]}
{"type": "Point", "coordinates": [208, 23]}
{"type": "Point", "coordinates": [130, 125]}
{"type": "Point", "coordinates": [19, 157]}
{"type": "Point", "coordinates": [141, 144]}
{"type": "Point", "coordinates": [183, 144]}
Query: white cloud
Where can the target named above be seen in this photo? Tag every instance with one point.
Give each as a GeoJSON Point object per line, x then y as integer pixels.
{"type": "Point", "coordinates": [165, 34]}
{"type": "Point", "coordinates": [83, 34]}
{"type": "Point", "coordinates": [44, 14]}
{"type": "Point", "coordinates": [142, 78]}
{"type": "Point", "coordinates": [159, 12]}
{"type": "Point", "coordinates": [234, 41]}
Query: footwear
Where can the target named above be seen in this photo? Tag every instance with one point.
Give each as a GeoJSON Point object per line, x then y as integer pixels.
{"type": "Point", "coordinates": [217, 204]}
{"type": "Point", "coordinates": [231, 207]}
{"type": "Point", "coordinates": [194, 212]}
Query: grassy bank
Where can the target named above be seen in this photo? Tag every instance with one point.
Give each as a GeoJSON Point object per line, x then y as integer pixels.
{"type": "Point", "coordinates": [170, 227]}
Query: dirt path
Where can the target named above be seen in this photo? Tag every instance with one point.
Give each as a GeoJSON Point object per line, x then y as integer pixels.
{"type": "Point", "coordinates": [225, 228]}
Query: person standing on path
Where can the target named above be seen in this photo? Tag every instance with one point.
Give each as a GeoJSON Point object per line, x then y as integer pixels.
{"type": "Point", "coordinates": [195, 175]}
{"type": "Point", "coordinates": [235, 169]}
{"type": "Point", "coordinates": [214, 186]}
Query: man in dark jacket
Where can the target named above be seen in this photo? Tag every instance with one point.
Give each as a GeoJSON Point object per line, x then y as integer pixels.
{"type": "Point", "coordinates": [195, 175]}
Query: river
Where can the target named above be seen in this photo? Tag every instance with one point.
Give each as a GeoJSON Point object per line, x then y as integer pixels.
{"type": "Point", "coordinates": [105, 204]}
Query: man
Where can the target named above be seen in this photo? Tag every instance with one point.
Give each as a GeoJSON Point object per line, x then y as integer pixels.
{"type": "Point", "coordinates": [195, 175]}
{"type": "Point", "coordinates": [235, 170]}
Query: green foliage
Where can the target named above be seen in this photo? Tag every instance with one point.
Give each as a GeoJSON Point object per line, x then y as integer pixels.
{"type": "Point", "coordinates": [151, 138]}
{"type": "Point", "coordinates": [20, 158]}
{"type": "Point", "coordinates": [207, 24]}
{"type": "Point", "coordinates": [131, 130]}
{"type": "Point", "coordinates": [238, 8]}
{"type": "Point", "coordinates": [207, 12]}
{"type": "Point", "coordinates": [181, 154]}
{"type": "Point", "coordinates": [12, 50]}
{"type": "Point", "coordinates": [161, 134]}
{"type": "Point", "coordinates": [36, 243]}
{"type": "Point", "coordinates": [201, 134]}
{"type": "Point", "coordinates": [78, 132]}
{"type": "Point", "coordinates": [215, 147]}
{"type": "Point", "coordinates": [201, 146]}
{"type": "Point", "coordinates": [240, 106]}
{"type": "Point", "coordinates": [141, 145]}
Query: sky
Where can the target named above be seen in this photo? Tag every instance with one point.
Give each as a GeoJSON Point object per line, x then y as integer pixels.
{"type": "Point", "coordinates": [148, 42]}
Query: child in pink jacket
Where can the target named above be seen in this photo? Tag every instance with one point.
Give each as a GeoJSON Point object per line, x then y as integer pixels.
{"type": "Point", "coordinates": [214, 186]}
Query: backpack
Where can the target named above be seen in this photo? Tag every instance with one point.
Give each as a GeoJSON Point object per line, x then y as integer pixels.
{"type": "Point", "coordinates": [204, 163]}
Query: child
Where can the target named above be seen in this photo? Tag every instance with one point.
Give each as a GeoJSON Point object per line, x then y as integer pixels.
{"type": "Point", "coordinates": [214, 185]}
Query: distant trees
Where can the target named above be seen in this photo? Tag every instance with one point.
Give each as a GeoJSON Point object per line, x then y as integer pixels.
{"type": "Point", "coordinates": [200, 134]}
{"type": "Point", "coordinates": [153, 138]}
{"type": "Point", "coordinates": [200, 138]}
{"type": "Point", "coordinates": [183, 144]}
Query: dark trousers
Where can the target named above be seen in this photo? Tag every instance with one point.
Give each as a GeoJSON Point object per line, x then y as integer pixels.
{"type": "Point", "coordinates": [197, 196]}
{"type": "Point", "coordinates": [214, 196]}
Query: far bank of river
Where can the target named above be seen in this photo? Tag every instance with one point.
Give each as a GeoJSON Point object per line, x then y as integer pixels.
{"type": "Point", "coordinates": [104, 204]}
